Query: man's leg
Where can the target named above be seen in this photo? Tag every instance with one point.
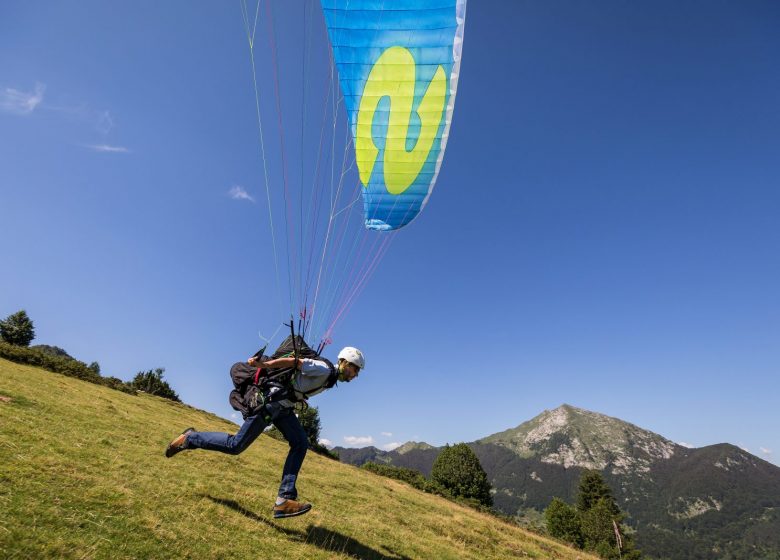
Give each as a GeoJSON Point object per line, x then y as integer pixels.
{"type": "Point", "coordinates": [291, 429]}
{"type": "Point", "coordinates": [227, 443]}
{"type": "Point", "coordinates": [286, 504]}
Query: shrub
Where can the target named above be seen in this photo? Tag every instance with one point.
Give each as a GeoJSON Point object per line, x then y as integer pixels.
{"type": "Point", "coordinates": [118, 384]}
{"type": "Point", "coordinates": [17, 329]}
{"type": "Point", "coordinates": [458, 470]}
{"type": "Point", "coordinates": [563, 522]}
{"type": "Point", "coordinates": [152, 382]}
{"type": "Point", "coordinates": [410, 476]}
{"type": "Point", "coordinates": [53, 350]}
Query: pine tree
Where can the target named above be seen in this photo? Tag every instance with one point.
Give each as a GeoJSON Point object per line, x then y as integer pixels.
{"type": "Point", "coordinates": [457, 469]}
{"type": "Point", "coordinates": [601, 520]}
{"type": "Point", "coordinates": [593, 489]}
{"type": "Point", "coordinates": [17, 329]}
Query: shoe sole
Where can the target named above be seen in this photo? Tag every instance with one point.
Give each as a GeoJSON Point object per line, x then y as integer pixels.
{"type": "Point", "coordinates": [284, 515]}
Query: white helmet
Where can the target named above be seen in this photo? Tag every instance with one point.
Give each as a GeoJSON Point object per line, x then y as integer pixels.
{"type": "Point", "coordinates": [353, 356]}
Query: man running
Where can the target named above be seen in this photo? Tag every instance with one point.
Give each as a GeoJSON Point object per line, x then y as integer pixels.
{"type": "Point", "coordinates": [309, 377]}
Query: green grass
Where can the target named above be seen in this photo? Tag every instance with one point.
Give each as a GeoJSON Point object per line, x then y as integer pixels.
{"type": "Point", "coordinates": [83, 475]}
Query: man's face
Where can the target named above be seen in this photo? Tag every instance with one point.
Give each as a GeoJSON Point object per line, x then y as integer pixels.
{"type": "Point", "coordinates": [349, 371]}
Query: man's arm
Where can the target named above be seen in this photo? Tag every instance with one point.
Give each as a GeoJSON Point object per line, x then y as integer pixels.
{"type": "Point", "coordinates": [278, 363]}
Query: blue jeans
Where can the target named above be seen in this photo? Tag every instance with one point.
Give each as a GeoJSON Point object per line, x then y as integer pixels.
{"type": "Point", "coordinates": [285, 421]}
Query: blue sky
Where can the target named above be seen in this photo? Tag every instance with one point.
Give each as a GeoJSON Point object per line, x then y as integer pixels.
{"type": "Point", "coordinates": [603, 232]}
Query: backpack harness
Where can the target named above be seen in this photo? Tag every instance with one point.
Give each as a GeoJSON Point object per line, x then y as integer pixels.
{"type": "Point", "coordinates": [256, 387]}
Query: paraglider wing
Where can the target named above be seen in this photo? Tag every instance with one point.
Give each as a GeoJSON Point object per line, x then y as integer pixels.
{"type": "Point", "coordinates": [398, 63]}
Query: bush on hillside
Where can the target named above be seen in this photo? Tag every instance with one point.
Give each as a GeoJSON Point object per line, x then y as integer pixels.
{"type": "Point", "coordinates": [52, 350]}
{"type": "Point", "coordinates": [59, 364]}
{"type": "Point", "coordinates": [17, 329]}
{"type": "Point", "coordinates": [412, 477]}
{"type": "Point", "coordinates": [563, 522]}
{"type": "Point", "coordinates": [118, 384]}
{"type": "Point", "coordinates": [457, 468]}
{"type": "Point", "coordinates": [152, 383]}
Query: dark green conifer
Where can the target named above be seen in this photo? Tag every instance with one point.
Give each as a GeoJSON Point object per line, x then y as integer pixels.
{"type": "Point", "coordinates": [593, 489]}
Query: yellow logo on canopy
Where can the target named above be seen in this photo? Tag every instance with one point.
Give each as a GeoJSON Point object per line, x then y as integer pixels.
{"type": "Point", "coordinates": [394, 75]}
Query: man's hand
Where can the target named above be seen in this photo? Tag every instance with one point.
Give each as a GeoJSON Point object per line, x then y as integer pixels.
{"type": "Point", "coordinates": [255, 362]}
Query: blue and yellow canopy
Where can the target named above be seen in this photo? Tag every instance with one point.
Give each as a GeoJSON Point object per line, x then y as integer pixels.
{"type": "Point", "coordinates": [398, 64]}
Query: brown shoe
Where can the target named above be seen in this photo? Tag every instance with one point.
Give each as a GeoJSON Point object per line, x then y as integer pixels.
{"type": "Point", "coordinates": [291, 508]}
{"type": "Point", "coordinates": [179, 444]}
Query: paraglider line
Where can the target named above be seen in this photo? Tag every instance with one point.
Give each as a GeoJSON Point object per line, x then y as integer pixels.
{"type": "Point", "coordinates": [288, 217]}
{"type": "Point", "coordinates": [363, 281]}
{"type": "Point", "coordinates": [250, 39]}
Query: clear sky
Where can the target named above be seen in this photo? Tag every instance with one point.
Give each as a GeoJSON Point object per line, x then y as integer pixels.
{"type": "Point", "coordinates": [604, 231]}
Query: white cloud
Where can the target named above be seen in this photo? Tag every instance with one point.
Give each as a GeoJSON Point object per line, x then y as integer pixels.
{"type": "Point", "coordinates": [20, 102]}
{"type": "Point", "coordinates": [238, 192]}
{"type": "Point", "coordinates": [359, 440]}
{"type": "Point", "coordinates": [688, 445]}
{"type": "Point", "coordinates": [235, 415]}
{"type": "Point", "coordinates": [765, 451]}
{"type": "Point", "coordinates": [105, 148]}
{"type": "Point", "coordinates": [325, 442]}
{"type": "Point", "coordinates": [391, 446]}
{"type": "Point", "coordinates": [387, 434]}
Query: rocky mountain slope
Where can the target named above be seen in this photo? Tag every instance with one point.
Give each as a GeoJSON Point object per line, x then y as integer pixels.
{"type": "Point", "coordinates": [713, 502]}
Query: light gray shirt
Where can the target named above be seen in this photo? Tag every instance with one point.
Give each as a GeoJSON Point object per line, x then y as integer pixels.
{"type": "Point", "coordinates": [311, 379]}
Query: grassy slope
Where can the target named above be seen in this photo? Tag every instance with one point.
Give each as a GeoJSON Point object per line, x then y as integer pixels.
{"type": "Point", "coordinates": [82, 475]}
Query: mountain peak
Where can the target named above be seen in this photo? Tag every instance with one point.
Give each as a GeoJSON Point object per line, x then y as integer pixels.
{"type": "Point", "coordinates": [571, 408]}
{"type": "Point", "coordinates": [412, 445]}
{"type": "Point", "coordinates": [572, 436]}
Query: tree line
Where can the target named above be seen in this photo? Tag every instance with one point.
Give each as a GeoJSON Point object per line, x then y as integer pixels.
{"type": "Point", "coordinates": [17, 331]}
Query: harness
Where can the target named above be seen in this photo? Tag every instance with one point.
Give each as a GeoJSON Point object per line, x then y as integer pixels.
{"type": "Point", "coordinates": [254, 390]}
{"type": "Point", "coordinates": [279, 386]}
